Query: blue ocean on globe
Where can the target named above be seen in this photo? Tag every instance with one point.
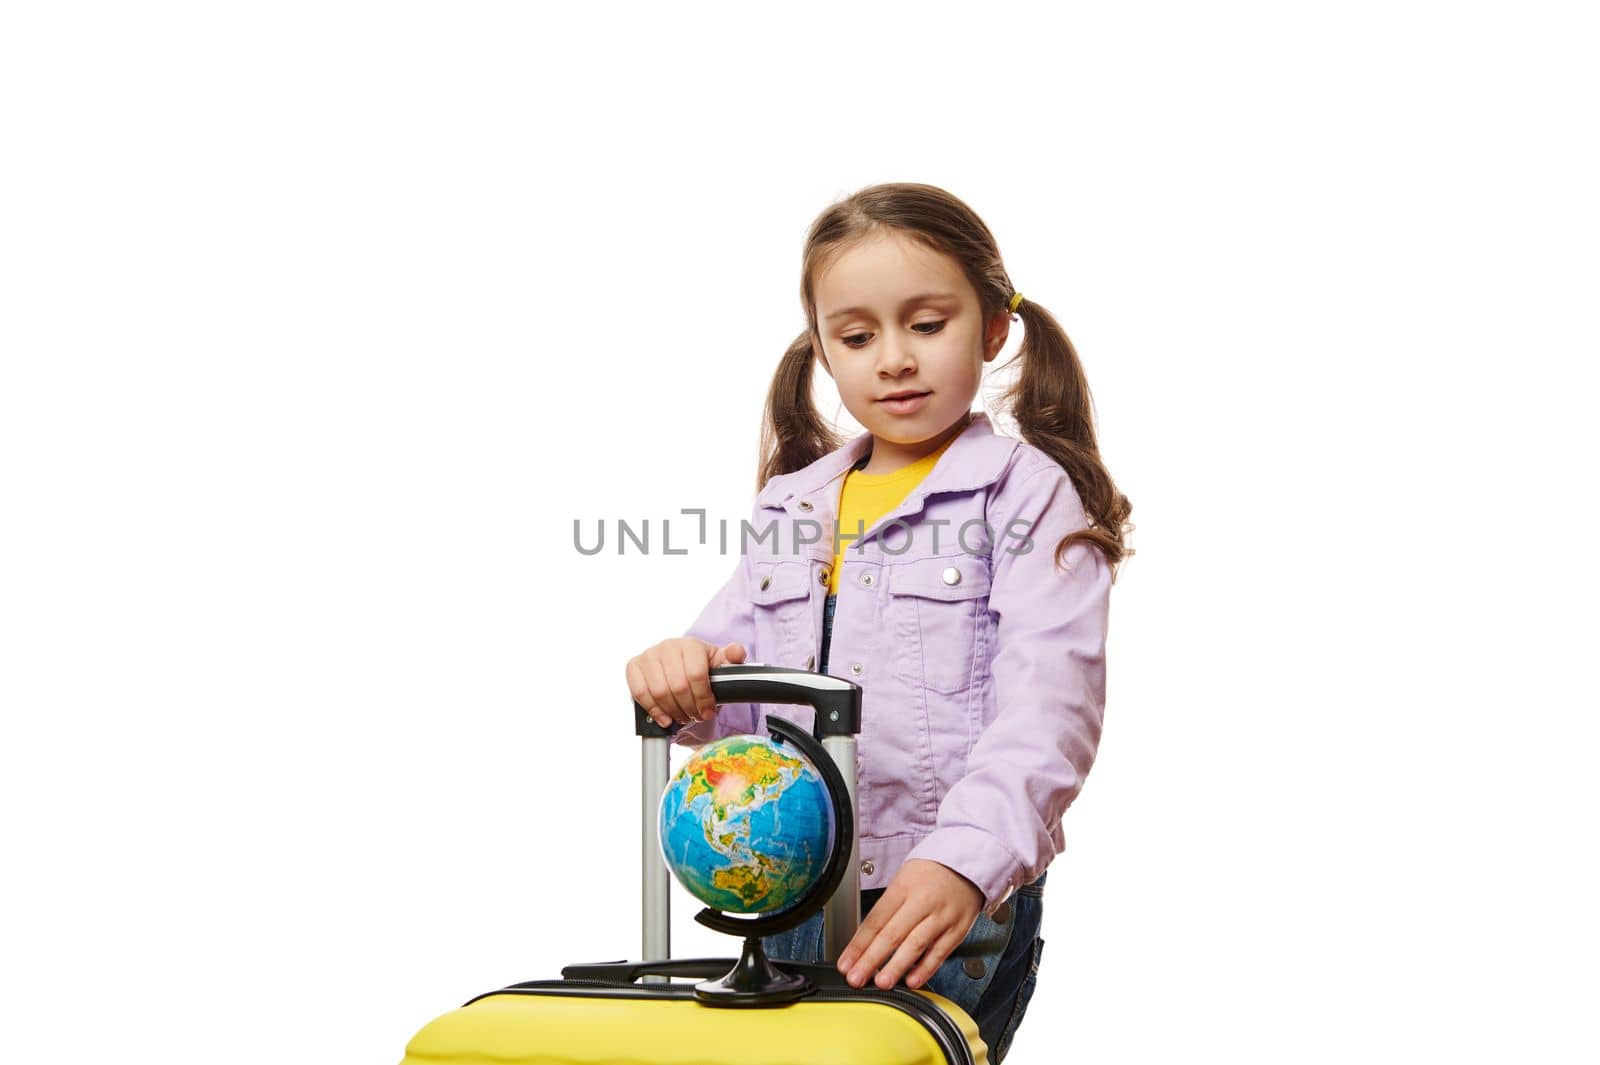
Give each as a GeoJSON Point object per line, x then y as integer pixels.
{"type": "Point", "coordinates": [746, 825]}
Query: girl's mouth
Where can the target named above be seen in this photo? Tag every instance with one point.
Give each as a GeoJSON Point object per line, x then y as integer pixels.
{"type": "Point", "coordinates": [904, 404]}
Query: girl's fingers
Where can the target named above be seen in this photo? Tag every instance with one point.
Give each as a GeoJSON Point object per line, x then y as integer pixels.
{"type": "Point", "coordinates": [682, 706]}
{"type": "Point", "coordinates": [934, 957]}
{"type": "Point", "coordinates": [672, 680]}
{"type": "Point", "coordinates": [660, 689]}
{"type": "Point", "coordinates": [697, 671]}
{"type": "Point", "coordinates": [640, 690]}
{"type": "Point", "coordinates": [885, 942]}
{"type": "Point", "coordinates": [911, 948]}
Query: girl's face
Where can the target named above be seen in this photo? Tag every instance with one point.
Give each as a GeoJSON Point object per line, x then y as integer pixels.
{"type": "Point", "coordinates": [897, 317]}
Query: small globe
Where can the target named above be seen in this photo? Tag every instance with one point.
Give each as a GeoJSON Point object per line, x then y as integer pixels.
{"type": "Point", "coordinates": [747, 825]}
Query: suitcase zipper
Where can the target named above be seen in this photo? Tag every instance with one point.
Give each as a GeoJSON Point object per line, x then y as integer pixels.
{"type": "Point", "coordinates": [935, 1020]}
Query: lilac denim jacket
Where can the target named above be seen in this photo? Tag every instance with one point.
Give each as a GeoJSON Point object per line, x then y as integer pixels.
{"type": "Point", "coordinates": [982, 664]}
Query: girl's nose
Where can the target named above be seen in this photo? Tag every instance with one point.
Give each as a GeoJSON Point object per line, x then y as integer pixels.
{"type": "Point", "coordinates": [894, 357]}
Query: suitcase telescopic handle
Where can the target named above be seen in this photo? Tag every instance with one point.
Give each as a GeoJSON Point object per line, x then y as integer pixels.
{"type": "Point", "coordinates": [837, 703]}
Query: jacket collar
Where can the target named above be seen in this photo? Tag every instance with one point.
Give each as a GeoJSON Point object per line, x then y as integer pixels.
{"type": "Point", "coordinates": [975, 458]}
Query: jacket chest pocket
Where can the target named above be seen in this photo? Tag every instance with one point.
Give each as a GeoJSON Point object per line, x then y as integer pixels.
{"type": "Point", "coordinates": [933, 606]}
{"type": "Point", "coordinates": [781, 603]}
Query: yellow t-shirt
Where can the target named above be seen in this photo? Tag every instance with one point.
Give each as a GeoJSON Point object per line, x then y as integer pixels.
{"type": "Point", "coordinates": [866, 497]}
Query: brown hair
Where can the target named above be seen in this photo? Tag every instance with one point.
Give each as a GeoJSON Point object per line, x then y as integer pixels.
{"type": "Point", "coordinates": [1049, 401]}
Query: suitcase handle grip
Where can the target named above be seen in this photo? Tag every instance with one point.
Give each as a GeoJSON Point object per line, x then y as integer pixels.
{"type": "Point", "coordinates": [629, 971]}
{"type": "Point", "coordinates": [837, 701]}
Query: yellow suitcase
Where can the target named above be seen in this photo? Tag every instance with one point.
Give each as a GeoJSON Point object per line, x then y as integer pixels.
{"type": "Point", "coordinates": [742, 1011]}
{"type": "Point", "coordinates": [580, 1022]}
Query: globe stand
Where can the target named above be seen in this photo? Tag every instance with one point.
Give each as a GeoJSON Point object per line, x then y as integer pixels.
{"type": "Point", "coordinates": [753, 982]}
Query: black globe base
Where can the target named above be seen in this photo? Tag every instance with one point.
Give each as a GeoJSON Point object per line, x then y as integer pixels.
{"type": "Point", "coordinates": [753, 982]}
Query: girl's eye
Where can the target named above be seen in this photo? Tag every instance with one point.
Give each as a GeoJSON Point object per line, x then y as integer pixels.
{"type": "Point", "coordinates": [850, 341]}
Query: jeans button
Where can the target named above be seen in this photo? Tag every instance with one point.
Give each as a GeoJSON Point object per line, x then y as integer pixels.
{"type": "Point", "coordinates": [867, 868]}
{"type": "Point", "coordinates": [974, 967]}
{"type": "Point", "coordinates": [1002, 913]}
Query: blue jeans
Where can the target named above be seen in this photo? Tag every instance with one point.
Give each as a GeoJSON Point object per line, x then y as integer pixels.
{"type": "Point", "coordinates": [991, 974]}
{"type": "Point", "coordinates": [827, 631]}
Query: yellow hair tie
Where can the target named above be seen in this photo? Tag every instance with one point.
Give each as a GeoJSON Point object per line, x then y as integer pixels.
{"type": "Point", "coordinates": [1016, 298]}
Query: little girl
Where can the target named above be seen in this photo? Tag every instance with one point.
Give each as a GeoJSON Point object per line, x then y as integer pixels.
{"type": "Point", "coordinates": [960, 576]}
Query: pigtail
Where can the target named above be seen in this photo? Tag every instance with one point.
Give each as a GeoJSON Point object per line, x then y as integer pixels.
{"type": "Point", "coordinates": [1051, 406]}
{"type": "Point", "coordinates": [793, 433]}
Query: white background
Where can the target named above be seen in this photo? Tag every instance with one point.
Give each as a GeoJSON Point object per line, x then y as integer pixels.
{"type": "Point", "coordinates": [322, 323]}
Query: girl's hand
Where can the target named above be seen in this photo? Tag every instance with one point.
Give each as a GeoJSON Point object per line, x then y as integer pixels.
{"type": "Point", "coordinates": [671, 680]}
{"type": "Point", "coordinates": [926, 911]}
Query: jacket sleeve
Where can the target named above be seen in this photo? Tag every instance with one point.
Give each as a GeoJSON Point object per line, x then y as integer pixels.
{"type": "Point", "coordinates": [728, 618]}
{"type": "Point", "coordinates": [999, 825]}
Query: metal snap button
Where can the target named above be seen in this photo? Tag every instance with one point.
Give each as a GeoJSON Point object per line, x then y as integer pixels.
{"type": "Point", "coordinates": [952, 576]}
{"type": "Point", "coordinates": [805, 504]}
{"type": "Point", "coordinates": [867, 868]}
{"type": "Point", "coordinates": [766, 582]}
{"type": "Point", "coordinates": [866, 578]}
{"type": "Point", "coordinates": [974, 967]}
{"type": "Point", "coordinates": [822, 575]}
{"type": "Point", "coordinates": [855, 667]}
